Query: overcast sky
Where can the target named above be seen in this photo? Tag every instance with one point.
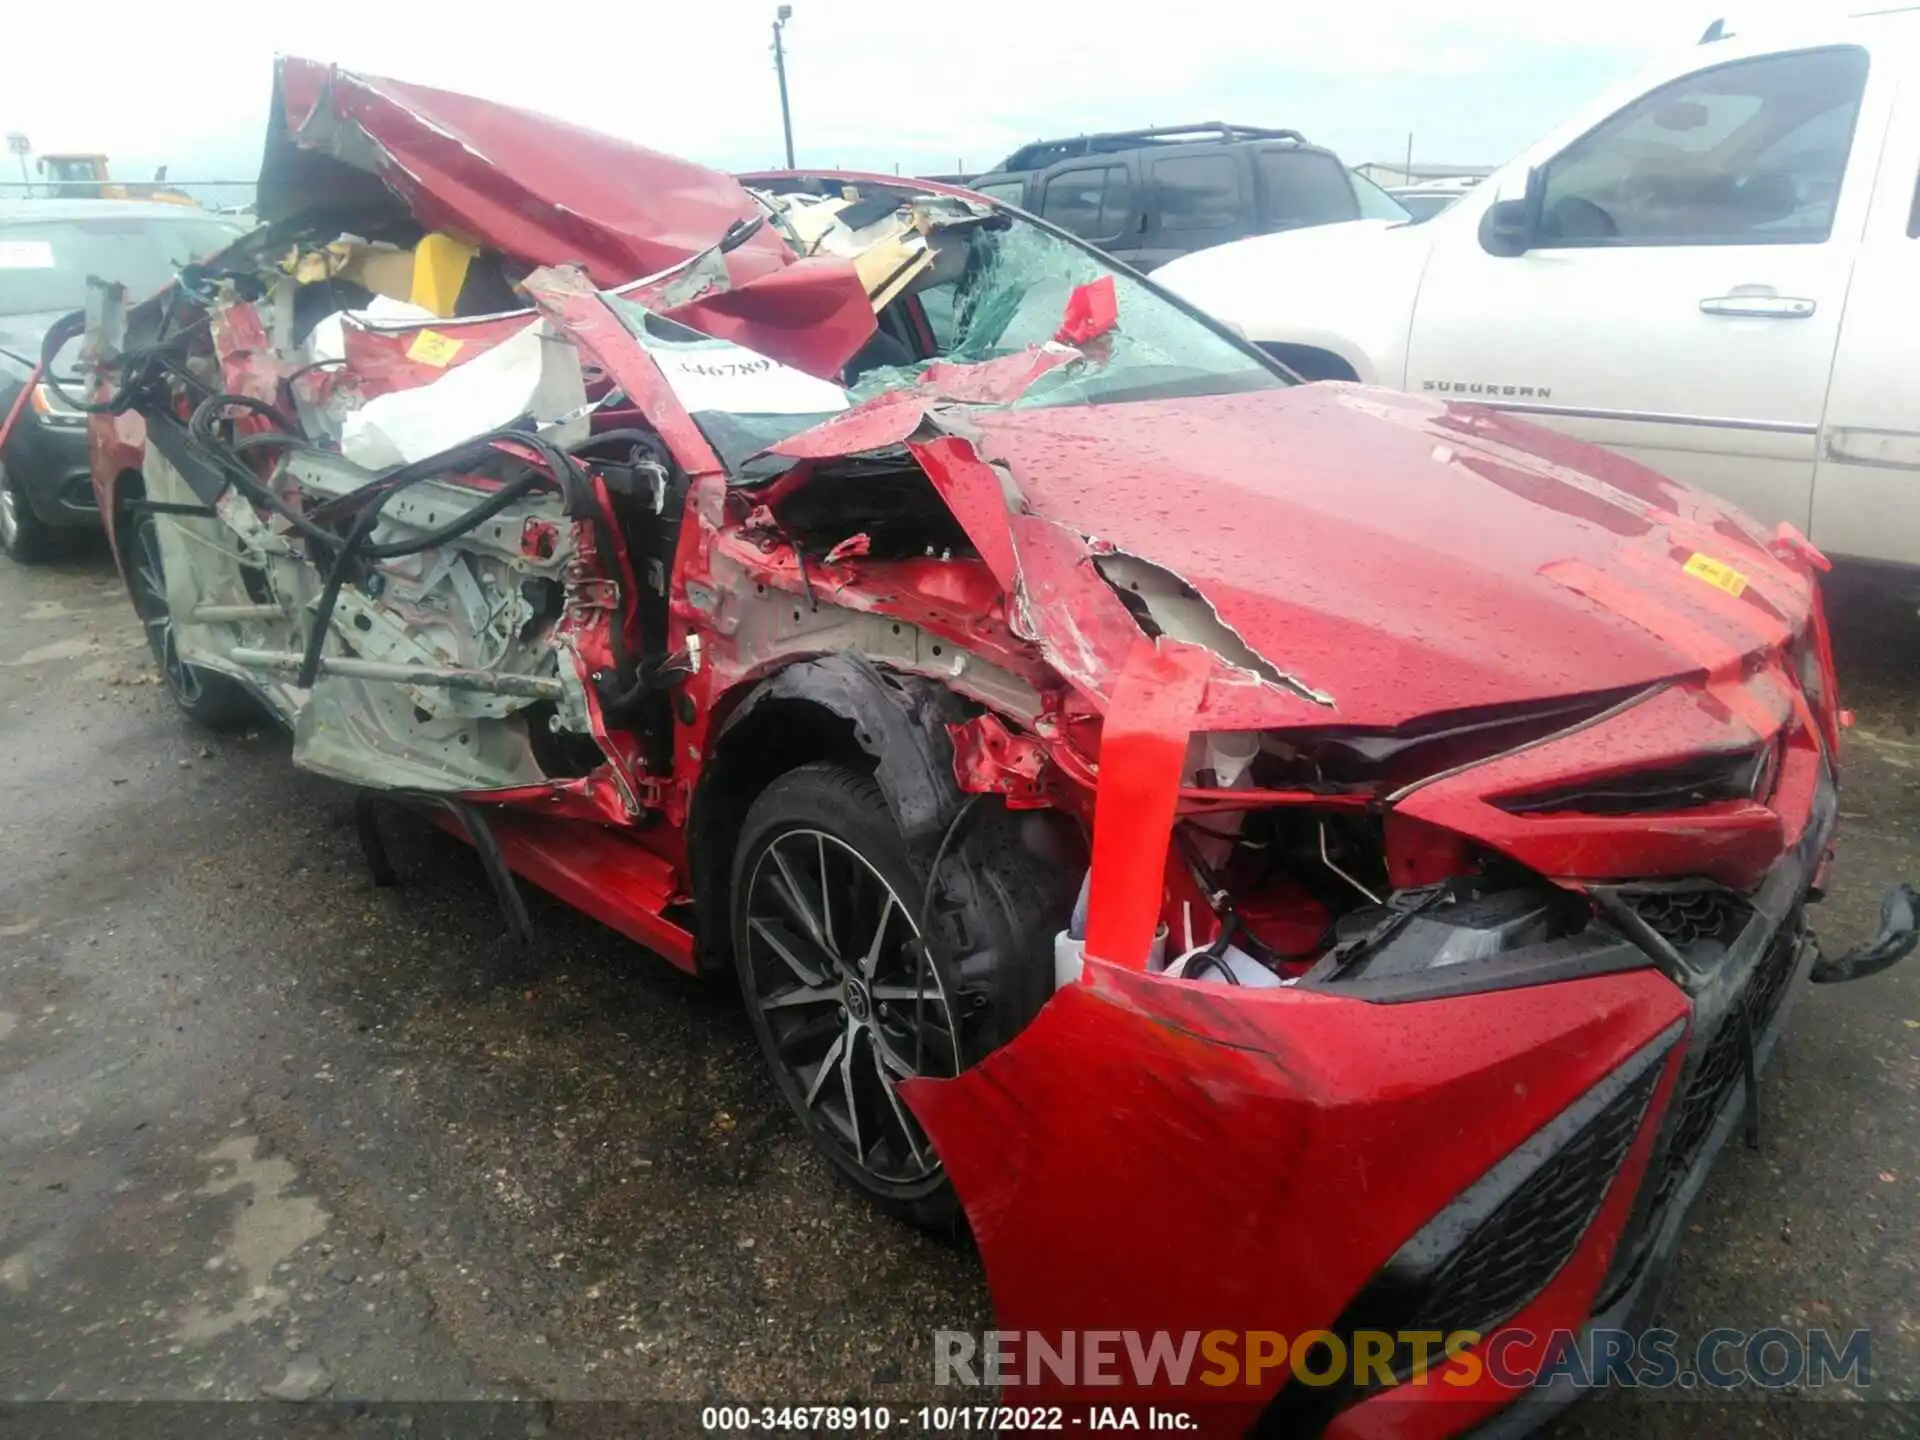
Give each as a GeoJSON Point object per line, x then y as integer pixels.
{"type": "Point", "coordinates": [923, 86]}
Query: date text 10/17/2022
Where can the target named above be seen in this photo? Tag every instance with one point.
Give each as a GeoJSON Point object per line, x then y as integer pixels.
{"type": "Point", "coordinates": [943, 1419]}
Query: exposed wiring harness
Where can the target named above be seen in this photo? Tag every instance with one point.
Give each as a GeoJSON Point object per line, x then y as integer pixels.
{"type": "Point", "coordinates": [339, 532]}
{"type": "Point", "coordinates": [138, 367]}
{"type": "Point", "coordinates": [344, 550]}
{"type": "Point", "coordinates": [1221, 901]}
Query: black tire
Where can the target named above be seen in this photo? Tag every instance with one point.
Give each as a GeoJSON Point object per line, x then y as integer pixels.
{"type": "Point", "coordinates": [997, 907]}
{"type": "Point", "coordinates": [209, 698]}
{"type": "Point", "coordinates": [24, 536]}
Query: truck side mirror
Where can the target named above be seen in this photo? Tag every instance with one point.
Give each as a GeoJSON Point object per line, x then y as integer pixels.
{"type": "Point", "coordinates": [1512, 227]}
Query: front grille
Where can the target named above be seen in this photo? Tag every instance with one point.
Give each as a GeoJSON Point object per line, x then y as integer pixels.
{"type": "Point", "coordinates": [1722, 1064]}
{"type": "Point", "coordinates": [1685, 918]}
{"type": "Point", "coordinates": [1514, 1253]}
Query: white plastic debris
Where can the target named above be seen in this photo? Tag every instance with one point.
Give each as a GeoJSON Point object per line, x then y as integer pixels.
{"type": "Point", "coordinates": [1070, 956]}
{"type": "Point", "coordinates": [327, 341]}
{"type": "Point", "coordinates": [535, 373]}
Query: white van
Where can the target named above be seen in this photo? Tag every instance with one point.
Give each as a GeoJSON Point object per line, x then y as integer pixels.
{"type": "Point", "coordinates": [1716, 271]}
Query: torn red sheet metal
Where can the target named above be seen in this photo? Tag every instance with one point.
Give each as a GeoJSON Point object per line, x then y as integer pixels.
{"type": "Point", "coordinates": [248, 362]}
{"type": "Point", "coordinates": [877, 424]}
{"type": "Point", "coordinates": [1092, 310]}
{"type": "Point", "coordinates": [978, 499]}
{"type": "Point", "coordinates": [569, 298]}
{"type": "Point", "coordinates": [894, 416]}
{"type": "Point", "coordinates": [537, 188]}
{"type": "Point", "coordinates": [989, 758]}
{"type": "Point", "coordinates": [1790, 544]}
{"type": "Point", "coordinates": [813, 315]}
{"type": "Point", "coordinates": [999, 381]}
{"type": "Point", "coordinates": [544, 192]}
{"type": "Point", "coordinates": [1059, 599]}
{"type": "Point", "coordinates": [851, 548]}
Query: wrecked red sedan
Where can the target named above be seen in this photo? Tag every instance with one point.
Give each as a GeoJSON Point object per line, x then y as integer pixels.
{"type": "Point", "coordinates": [1261, 857]}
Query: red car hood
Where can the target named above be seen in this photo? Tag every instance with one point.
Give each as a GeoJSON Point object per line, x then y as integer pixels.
{"type": "Point", "coordinates": [1407, 557]}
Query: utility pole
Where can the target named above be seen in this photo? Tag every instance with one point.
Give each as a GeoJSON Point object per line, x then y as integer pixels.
{"type": "Point", "coordinates": [1408, 171]}
{"type": "Point", "coordinates": [780, 18]}
{"type": "Point", "coordinates": [21, 148]}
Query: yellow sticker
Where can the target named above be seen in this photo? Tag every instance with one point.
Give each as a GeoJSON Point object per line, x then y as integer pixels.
{"type": "Point", "coordinates": [430, 347]}
{"type": "Point", "coordinates": [1721, 577]}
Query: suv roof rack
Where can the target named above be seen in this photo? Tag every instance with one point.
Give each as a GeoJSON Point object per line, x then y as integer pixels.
{"type": "Point", "coordinates": [1045, 152]}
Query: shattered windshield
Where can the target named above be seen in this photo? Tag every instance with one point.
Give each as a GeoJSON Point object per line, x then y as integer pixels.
{"type": "Point", "coordinates": [986, 296]}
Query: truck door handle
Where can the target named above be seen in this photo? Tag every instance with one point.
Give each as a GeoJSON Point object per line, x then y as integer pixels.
{"type": "Point", "coordinates": [1763, 307]}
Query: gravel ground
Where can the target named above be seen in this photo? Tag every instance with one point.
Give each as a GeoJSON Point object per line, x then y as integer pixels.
{"type": "Point", "coordinates": [264, 1129]}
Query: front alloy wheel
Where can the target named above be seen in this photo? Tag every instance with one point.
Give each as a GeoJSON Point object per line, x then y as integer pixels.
{"type": "Point", "coordinates": [847, 1003]}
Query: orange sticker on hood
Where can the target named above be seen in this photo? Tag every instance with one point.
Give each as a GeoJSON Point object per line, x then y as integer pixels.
{"type": "Point", "coordinates": [1721, 577]}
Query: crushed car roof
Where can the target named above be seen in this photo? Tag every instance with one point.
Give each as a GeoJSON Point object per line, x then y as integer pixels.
{"type": "Point", "coordinates": [542, 190]}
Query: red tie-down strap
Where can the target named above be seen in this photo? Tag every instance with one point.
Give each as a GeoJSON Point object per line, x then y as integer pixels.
{"type": "Point", "coordinates": [1143, 749]}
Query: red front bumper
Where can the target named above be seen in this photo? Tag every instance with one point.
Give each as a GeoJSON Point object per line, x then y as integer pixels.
{"type": "Point", "coordinates": [1155, 1156]}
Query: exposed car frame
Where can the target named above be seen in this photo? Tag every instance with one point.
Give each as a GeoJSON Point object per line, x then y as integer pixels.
{"type": "Point", "coordinates": [1378, 827]}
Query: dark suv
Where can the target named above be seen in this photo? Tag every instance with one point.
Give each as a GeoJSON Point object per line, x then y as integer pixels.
{"type": "Point", "coordinates": [1149, 196]}
{"type": "Point", "coordinates": [48, 249]}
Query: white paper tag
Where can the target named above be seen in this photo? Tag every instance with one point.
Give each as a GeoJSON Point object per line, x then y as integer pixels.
{"type": "Point", "coordinates": [739, 381]}
{"type": "Point", "coordinates": [26, 255]}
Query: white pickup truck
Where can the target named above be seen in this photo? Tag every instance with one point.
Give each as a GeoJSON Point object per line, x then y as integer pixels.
{"type": "Point", "coordinates": [1715, 270]}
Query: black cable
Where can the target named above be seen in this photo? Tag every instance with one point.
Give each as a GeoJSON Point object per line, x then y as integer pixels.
{"type": "Point", "coordinates": [134, 367]}
{"type": "Point", "coordinates": [1210, 957]}
{"type": "Point", "coordinates": [563, 472]}
{"type": "Point", "coordinates": [355, 546]}
{"type": "Point", "coordinates": [241, 478]}
{"type": "Point", "coordinates": [323, 609]}
{"type": "Point", "coordinates": [201, 422]}
{"type": "Point", "coordinates": [286, 381]}
{"type": "Point", "coordinates": [655, 672]}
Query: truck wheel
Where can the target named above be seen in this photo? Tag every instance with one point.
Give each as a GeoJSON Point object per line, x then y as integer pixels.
{"type": "Point", "coordinates": [209, 698]}
{"type": "Point", "coordinates": [826, 909]}
{"type": "Point", "coordinates": [24, 536]}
